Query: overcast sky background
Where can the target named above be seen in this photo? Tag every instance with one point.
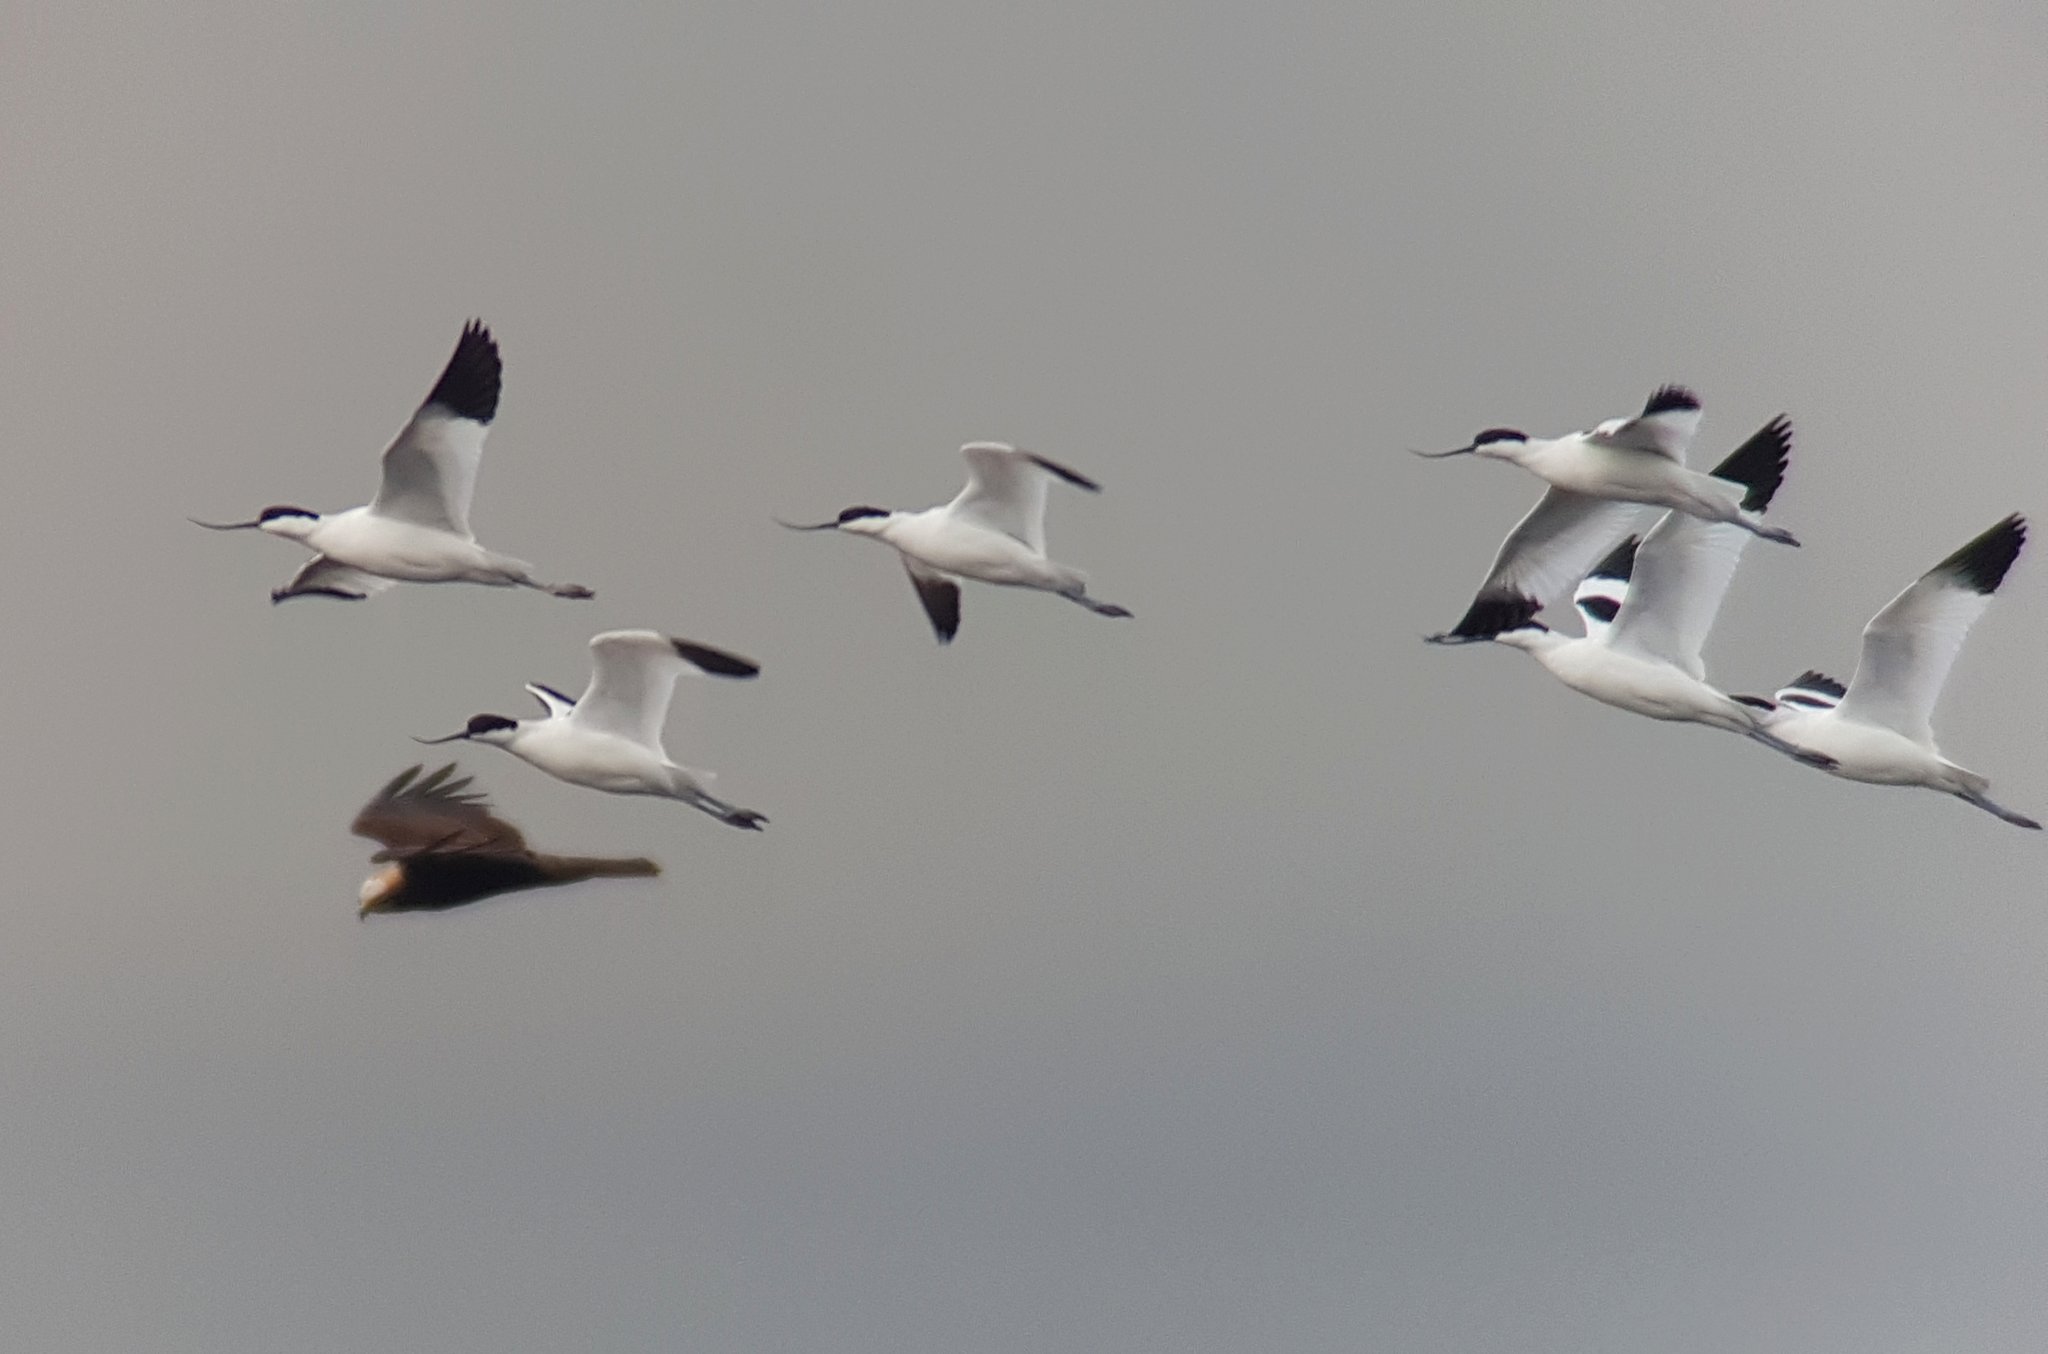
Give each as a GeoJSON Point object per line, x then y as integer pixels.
{"type": "Point", "coordinates": [1244, 976]}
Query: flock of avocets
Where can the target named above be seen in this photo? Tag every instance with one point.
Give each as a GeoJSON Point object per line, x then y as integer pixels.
{"type": "Point", "coordinates": [1647, 602]}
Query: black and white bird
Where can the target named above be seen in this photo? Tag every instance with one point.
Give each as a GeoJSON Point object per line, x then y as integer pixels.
{"type": "Point", "coordinates": [1598, 480]}
{"type": "Point", "coordinates": [443, 847]}
{"type": "Point", "coordinates": [1878, 728]}
{"type": "Point", "coordinates": [417, 528]}
{"type": "Point", "coordinates": [1649, 609]}
{"type": "Point", "coordinates": [1552, 547]}
{"type": "Point", "coordinates": [993, 530]}
{"type": "Point", "coordinates": [610, 737]}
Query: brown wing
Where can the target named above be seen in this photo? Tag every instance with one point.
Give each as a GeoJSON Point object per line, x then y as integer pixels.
{"type": "Point", "coordinates": [433, 813]}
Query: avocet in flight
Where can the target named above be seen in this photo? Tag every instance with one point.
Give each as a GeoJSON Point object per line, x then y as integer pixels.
{"type": "Point", "coordinates": [610, 738]}
{"type": "Point", "coordinates": [1628, 460]}
{"type": "Point", "coordinates": [1643, 654]}
{"type": "Point", "coordinates": [443, 848]}
{"type": "Point", "coordinates": [993, 530]}
{"type": "Point", "coordinates": [417, 528]}
{"type": "Point", "coordinates": [1877, 728]}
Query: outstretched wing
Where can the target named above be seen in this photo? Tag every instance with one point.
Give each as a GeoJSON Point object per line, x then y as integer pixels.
{"type": "Point", "coordinates": [1006, 490]}
{"type": "Point", "coordinates": [1548, 551]}
{"type": "Point", "coordinates": [1665, 427]}
{"type": "Point", "coordinates": [430, 467]}
{"type": "Point", "coordinates": [634, 679]}
{"type": "Point", "coordinates": [1686, 563]}
{"type": "Point", "coordinates": [322, 577]}
{"type": "Point", "coordinates": [1909, 647]}
{"type": "Point", "coordinates": [434, 813]}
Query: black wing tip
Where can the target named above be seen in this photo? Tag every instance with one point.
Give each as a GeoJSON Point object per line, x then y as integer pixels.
{"type": "Point", "coordinates": [1759, 463]}
{"type": "Point", "coordinates": [1815, 680]}
{"type": "Point", "coordinates": [1619, 562]}
{"type": "Point", "coordinates": [1666, 398]}
{"type": "Point", "coordinates": [941, 599]}
{"type": "Point", "coordinates": [1982, 564]}
{"type": "Point", "coordinates": [1755, 702]}
{"type": "Point", "coordinates": [1067, 473]}
{"type": "Point", "coordinates": [469, 385]}
{"type": "Point", "coordinates": [717, 662]}
{"type": "Point", "coordinates": [1491, 614]}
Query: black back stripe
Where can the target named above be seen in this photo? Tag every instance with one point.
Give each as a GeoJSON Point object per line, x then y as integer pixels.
{"type": "Point", "coordinates": [1603, 609]}
{"type": "Point", "coordinates": [1073, 477]}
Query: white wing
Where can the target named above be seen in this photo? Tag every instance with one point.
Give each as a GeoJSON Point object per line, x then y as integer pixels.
{"type": "Point", "coordinates": [430, 467]}
{"type": "Point", "coordinates": [554, 702]}
{"type": "Point", "coordinates": [1548, 551]}
{"type": "Point", "coordinates": [322, 577]}
{"type": "Point", "coordinates": [635, 678]}
{"type": "Point", "coordinates": [1909, 647]}
{"type": "Point", "coordinates": [1006, 490]}
{"type": "Point", "coordinates": [1665, 427]}
{"type": "Point", "coordinates": [1686, 563]}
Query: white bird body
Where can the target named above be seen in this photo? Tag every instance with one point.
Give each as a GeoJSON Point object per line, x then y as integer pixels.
{"type": "Point", "coordinates": [992, 531]}
{"type": "Point", "coordinates": [960, 545]}
{"type": "Point", "coordinates": [417, 528]}
{"type": "Point", "coordinates": [1640, 684]}
{"type": "Point", "coordinates": [1878, 729]}
{"type": "Point", "coordinates": [1635, 460]}
{"type": "Point", "coordinates": [610, 738]}
{"type": "Point", "coordinates": [406, 552]}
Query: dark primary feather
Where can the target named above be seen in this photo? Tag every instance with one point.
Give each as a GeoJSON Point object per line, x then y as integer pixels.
{"type": "Point", "coordinates": [1073, 477]}
{"type": "Point", "coordinates": [434, 813]}
{"type": "Point", "coordinates": [468, 387]}
{"type": "Point", "coordinates": [1666, 398]}
{"type": "Point", "coordinates": [715, 661]}
{"type": "Point", "coordinates": [1981, 565]}
{"type": "Point", "coordinates": [1492, 613]}
{"type": "Point", "coordinates": [1619, 562]}
{"type": "Point", "coordinates": [1811, 680]}
{"type": "Point", "coordinates": [941, 598]}
{"type": "Point", "coordinates": [1759, 464]}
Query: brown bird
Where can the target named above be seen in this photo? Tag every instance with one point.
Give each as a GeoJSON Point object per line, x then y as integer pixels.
{"type": "Point", "coordinates": [443, 847]}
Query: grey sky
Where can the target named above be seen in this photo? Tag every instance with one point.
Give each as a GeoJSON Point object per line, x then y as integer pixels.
{"type": "Point", "coordinates": [1245, 976]}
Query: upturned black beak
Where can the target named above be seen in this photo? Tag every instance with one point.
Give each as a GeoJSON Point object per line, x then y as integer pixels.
{"type": "Point", "coordinates": [226, 526]}
{"type": "Point", "coordinates": [449, 739]}
{"type": "Point", "coordinates": [1439, 455]}
{"type": "Point", "coordinates": [804, 526]}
